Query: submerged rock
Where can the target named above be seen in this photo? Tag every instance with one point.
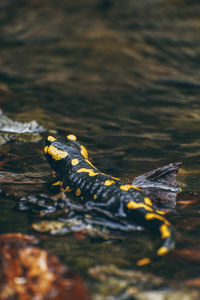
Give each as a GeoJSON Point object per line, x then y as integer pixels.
{"type": "Point", "coordinates": [8, 125]}
{"type": "Point", "coordinates": [166, 295]}
{"type": "Point", "coordinates": [15, 130]}
{"type": "Point", "coordinates": [74, 226]}
{"type": "Point", "coordinates": [113, 283]}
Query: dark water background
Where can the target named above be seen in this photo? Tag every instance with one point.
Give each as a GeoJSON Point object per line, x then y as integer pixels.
{"type": "Point", "coordinates": [124, 76]}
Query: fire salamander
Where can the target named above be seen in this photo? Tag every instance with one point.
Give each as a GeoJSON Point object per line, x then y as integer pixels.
{"type": "Point", "coordinates": [76, 174]}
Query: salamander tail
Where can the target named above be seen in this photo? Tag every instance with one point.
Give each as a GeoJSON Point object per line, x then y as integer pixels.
{"type": "Point", "coordinates": [166, 233]}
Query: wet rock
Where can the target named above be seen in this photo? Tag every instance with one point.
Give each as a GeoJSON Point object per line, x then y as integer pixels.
{"type": "Point", "coordinates": [114, 281]}
{"type": "Point", "coordinates": [22, 131]}
{"type": "Point", "coordinates": [28, 272]}
{"type": "Point", "coordinates": [117, 284]}
{"type": "Point", "coordinates": [51, 227]}
{"type": "Point", "coordinates": [8, 125]}
{"type": "Point", "coordinates": [167, 295]}
{"type": "Point", "coordinates": [73, 226]}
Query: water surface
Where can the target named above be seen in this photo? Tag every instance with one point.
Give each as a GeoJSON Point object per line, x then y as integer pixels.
{"type": "Point", "coordinates": [125, 78]}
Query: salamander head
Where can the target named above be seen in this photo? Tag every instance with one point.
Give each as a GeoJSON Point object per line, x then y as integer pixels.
{"type": "Point", "coordinates": [58, 153]}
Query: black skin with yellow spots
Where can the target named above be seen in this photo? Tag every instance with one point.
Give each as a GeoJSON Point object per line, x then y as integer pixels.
{"type": "Point", "coordinates": [76, 174]}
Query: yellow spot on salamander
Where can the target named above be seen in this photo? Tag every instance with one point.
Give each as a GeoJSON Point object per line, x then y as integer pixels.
{"type": "Point", "coordinates": [109, 182]}
{"type": "Point", "coordinates": [45, 149]}
{"type": "Point", "coordinates": [51, 138]}
{"type": "Point", "coordinates": [135, 205]}
{"type": "Point", "coordinates": [84, 152]}
{"type": "Point", "coordinates": [143, 262]}
{"type": "Point", "coordinates": [165, 233]}
{"type": "Point", "coordinates": [148, 201]}
{"type": "Point", "coordinates": [55, 153]}
{"type": "Point", "coordinates": [75, 162]}
{"type": "Point", "coordinates": [127, 187]}
{"type": "Point", "coordinates": [161, 212]}
{"type": "Point", "coordinates": [88, 216]}
{"type": "Point", "coordinates": [151, 216]}
{"type": "Point", "coordinates": [94, 196]}
{"type": "Point", "coordinates": [58, 183]}
{"type": "Point", "coordinates": [115, 178]}
{"type": "Point", "coordinates": [82, 198]}
{"type": "Point", "coordinates": [162, 251]}
{"type": "Point", "coordinates": [89, 171]}
{"type": "Point", "coordinates": [67, 189]}
{"type": "Point", "coordinates": [90, 163]}
{"type": "Point", "coordinates": [78, 192]}
{"type": "Point", "coordinates": [71, 137]}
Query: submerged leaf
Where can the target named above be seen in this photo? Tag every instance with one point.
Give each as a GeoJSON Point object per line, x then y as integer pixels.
{"type": "Point", "coordinates": [163, 178]}
{"type": "Point", "coordinates": [160, 184]}
{"type": "Point", "coordinates": [29, 272]}
{"type": "Point", "coordinates": [195, 282]}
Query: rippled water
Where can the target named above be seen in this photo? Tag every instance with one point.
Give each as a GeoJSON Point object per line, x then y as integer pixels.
{"type": "Point", "coordinates": [125, 78]}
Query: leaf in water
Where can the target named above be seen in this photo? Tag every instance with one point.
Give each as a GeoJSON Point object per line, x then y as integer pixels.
{"type": "Point", "coordinates": [29, 272]}
{"type": "Point", "coordinates": [160, 184]}
{"type": "Point", "coordinates": [187, 198]}
{"type": "Point", "coordinates": [195, 282]}
{"type": "Point", "coordinates": [79, 235]}
{"type": "Point", "coordinates": [188, 254]}
{"type": "Point", "coordinates": [187, 202]}
{"type": "Point", "coordinates": [19, 239]}
{"type": "Point", "coordinates": [51, 227]}
{"type": "Point", "coordinates": [163, 178]}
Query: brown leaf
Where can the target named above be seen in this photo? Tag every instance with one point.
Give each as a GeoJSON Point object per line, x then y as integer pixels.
{"type": "Point", "coordinates": [193, 282]}
{"type": "Point", "coordinates": [187, 202]}
{"type": "Point", "coordinates": [29, 272]}
{"type": "Point", "coordinates": [79, 235]}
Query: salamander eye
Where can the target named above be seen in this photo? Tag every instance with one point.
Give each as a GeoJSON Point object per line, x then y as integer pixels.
{"type": "Point", "coordinates": [71, 137]}
{"type": "Point", "coordinates": [50, 139]}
